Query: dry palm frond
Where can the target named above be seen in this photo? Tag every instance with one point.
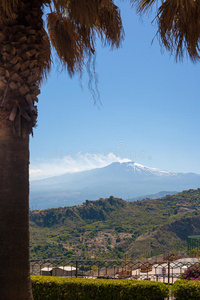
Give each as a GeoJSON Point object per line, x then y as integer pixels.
{"type": "Point", "coordinates": [84, 12]}
{"type": "Point", "coordinates": [110, 24]}
{"type": "Point", "coordinates": [106, 3]}
{"type": "Point", "coordinates": [179, 27]}
{"type": "Point", "coordinates": [45, 57]}
{"type": "Point", "coordinates": [143, 5]}
{"type": "Point", "coordinates": [72, 29]}
{"type": "Point", "coordinates": [7, 9]}
{"type": "Point", "coordinates": [100, 15]}
{"type": "Point", "coordinates": [65, 41]}
{"type": "Point", "coordinates": [7, 6]}
{"type": "Point", "coordinates": [60, 4]}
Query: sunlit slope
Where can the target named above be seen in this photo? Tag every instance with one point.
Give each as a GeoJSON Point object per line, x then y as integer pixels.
{"type": "Point", "coordinates": [112, 227]}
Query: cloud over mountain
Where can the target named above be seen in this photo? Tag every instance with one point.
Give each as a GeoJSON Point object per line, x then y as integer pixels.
{"type": "Point", "coordinates": [40, 169]}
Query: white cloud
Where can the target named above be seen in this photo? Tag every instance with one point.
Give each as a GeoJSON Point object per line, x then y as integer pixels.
{"type": "Point", "coordinates": [70, 164]}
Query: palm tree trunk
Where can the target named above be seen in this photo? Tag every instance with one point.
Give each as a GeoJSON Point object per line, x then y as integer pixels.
{"type": "Point", "coordinates": [15, 281]}
{"type": "Point", "coordinates": [24, 59]}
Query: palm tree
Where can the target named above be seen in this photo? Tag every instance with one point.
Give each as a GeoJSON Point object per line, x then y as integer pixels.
{"type": "Point", "coordinates": [25, 59]}
{"type": "Point", "coordinates": [178, 25]}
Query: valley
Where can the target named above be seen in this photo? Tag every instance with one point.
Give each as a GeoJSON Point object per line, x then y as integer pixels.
{"type": "Point", "coordinates": [113, 228]}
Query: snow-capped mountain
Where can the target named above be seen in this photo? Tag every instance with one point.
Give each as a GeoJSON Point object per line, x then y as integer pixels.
{"type": "Point", "coordinates": [136, 169]}
{"type": "Point", "coordinates": [124, 180]}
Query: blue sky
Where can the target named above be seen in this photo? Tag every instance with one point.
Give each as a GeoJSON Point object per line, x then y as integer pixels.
{"type": "Point", "coordinates": [149, 113]}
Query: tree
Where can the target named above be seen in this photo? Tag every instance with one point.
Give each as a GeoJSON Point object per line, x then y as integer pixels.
{"type": "Point", "coordinates": [25, 59]}
{"type": "Point", "coordinates": [178, 25]}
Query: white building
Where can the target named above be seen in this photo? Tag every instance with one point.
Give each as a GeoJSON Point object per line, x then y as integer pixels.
{"type": "Point", "coordinates": [67, 271]}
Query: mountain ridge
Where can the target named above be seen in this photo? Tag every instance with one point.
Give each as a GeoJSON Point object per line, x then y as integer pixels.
{"type": "Point", "coordinates": [124, 180]}
{"type": "Point", "coordinates": [153, 196]}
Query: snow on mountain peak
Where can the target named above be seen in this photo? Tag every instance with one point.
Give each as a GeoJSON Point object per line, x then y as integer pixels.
{"type": "Point", "coordinates": [138, 168]}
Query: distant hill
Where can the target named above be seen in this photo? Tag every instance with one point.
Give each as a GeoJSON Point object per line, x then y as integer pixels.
{"type": "Point", "coordinates": [124, 180]}
{"type": "Point", "coordinates": [153, 196]}
{"type": "Point", "coordinates": [113, 228]}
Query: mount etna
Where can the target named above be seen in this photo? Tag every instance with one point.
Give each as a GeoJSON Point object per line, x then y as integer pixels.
{"type": "Point", "coordinates": [124, 180]}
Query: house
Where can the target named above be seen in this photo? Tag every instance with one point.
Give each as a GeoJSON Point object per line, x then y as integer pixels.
{"type": "Point", "coordinates": [46, 271]}
{"type": "Point", "coordinates": [67, 271]}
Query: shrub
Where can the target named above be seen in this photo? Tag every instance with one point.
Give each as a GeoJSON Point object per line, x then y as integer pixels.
{"type": "Point", "coordinates": [186, 289]}
{"type": "Point", "coordinates": [59, 288]}
{"type": "Point", "coordinates": [191, 273]}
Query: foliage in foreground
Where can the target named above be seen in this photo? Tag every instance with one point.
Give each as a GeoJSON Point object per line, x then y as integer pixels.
{"type": "Point", "coordinates": [186, 289]}
{"type": "Point", "coordinates": [54, 288]}
{"type": "Point", "coordinates": [191, 273]}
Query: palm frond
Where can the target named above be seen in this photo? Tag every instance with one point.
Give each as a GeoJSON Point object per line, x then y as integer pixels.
{"type": "Point", "coordinates": [60, 4]}
{"type": "Point", "coordinates": [45, 57]}
{"type": "Point", "coordinates": [82, 12]}
{"type": "Point", "coordinates": [102, 15]}
{"type": "Point", "coordinates": [7, 6]}
{"type": "Point", "coordinates": [179, 27]}
{"type": "Point", "coordinates": [65, 41]}
{"type": "Point", "coordinates": [73, 25]}
{"type": "Point", "coordinates": [110, 24]}
{"type": "Point", "coordinates": [143, 5]}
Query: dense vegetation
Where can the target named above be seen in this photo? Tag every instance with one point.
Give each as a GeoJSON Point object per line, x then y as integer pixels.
{"type": "Point", "coordinates": [186, 289]}
{"type": "Point", "coordinates": [114, 228]}
{"type": "Point", "coordinates": [55, 288]}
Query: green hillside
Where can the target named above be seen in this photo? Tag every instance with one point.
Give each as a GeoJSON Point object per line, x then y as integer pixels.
{"type": "Point", "coordinates": [113, 228]}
